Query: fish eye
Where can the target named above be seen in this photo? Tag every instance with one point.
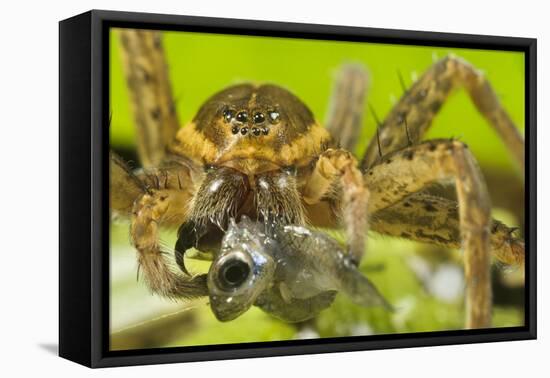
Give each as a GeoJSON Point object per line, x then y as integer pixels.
{"type": "Point", "coordinates": [233, 273]}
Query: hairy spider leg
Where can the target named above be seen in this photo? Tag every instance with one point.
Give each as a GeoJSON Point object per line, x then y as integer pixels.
{"type": "Point", "coordinates": [410, 170]}
{"type": "Point", "coordinates": [336, 175]}
{"type": "Point", "coordinates": [150, 92]}
{"type": "Point", "coordinates": [345, 117]}
{"type": "Point", "coordinates": [411, 117]}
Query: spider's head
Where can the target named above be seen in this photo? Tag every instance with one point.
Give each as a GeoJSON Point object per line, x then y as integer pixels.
{"type": "Point", "coordinates": [241, 272]}
{"type": "Point", "coordinates": [254, 128]}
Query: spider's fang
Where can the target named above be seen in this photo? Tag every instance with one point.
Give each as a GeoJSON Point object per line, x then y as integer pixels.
{"type": "Point", "coordinates": [186, 234]}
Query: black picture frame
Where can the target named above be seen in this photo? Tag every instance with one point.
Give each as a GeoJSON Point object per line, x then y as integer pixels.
{"type": "Point", "coordinates": [83, 197]}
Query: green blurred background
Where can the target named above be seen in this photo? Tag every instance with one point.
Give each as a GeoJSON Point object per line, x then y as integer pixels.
{"type": "Point", "coordinates": [423, 282]}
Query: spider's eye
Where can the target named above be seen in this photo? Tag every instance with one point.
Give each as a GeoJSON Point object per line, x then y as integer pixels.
{"type": "Point", "coordinates": [228, 115]}
{"type": "Point", "coordinates": [273, 116]}
{"type": "Point", "coordinates": [233, 273]}
{"type": "Point", "coordinates": [242, 117]}
{"type": "Point", "coordinates": [259, 118]}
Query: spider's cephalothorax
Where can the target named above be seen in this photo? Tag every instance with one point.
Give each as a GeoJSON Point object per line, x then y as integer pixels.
{"type": "Point", "coordinates": [258, 151]}
{"type": "Point", "coordinates": [258, 145]}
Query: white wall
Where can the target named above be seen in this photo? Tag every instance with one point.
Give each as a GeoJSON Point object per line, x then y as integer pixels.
{"type": "Point", "coordinates": [29, 144]}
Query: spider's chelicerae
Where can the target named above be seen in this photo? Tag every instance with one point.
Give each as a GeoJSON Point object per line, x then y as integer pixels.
{"type": "Point", "coordinates": [257, 150]}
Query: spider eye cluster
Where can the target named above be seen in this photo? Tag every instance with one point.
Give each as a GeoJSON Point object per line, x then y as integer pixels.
{"type": "Point", "coordinates": [256, 123]}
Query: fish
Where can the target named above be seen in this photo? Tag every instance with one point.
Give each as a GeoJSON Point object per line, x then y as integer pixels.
{"type": "Point", "coordinates": [290, 272]}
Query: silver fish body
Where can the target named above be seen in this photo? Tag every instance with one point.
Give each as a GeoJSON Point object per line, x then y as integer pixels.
{"type": "Point", "coordinates": [290, 272]}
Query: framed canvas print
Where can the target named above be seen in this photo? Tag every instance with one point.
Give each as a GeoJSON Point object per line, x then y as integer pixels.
{"type": "Point", "coordinates": [233, 188]}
